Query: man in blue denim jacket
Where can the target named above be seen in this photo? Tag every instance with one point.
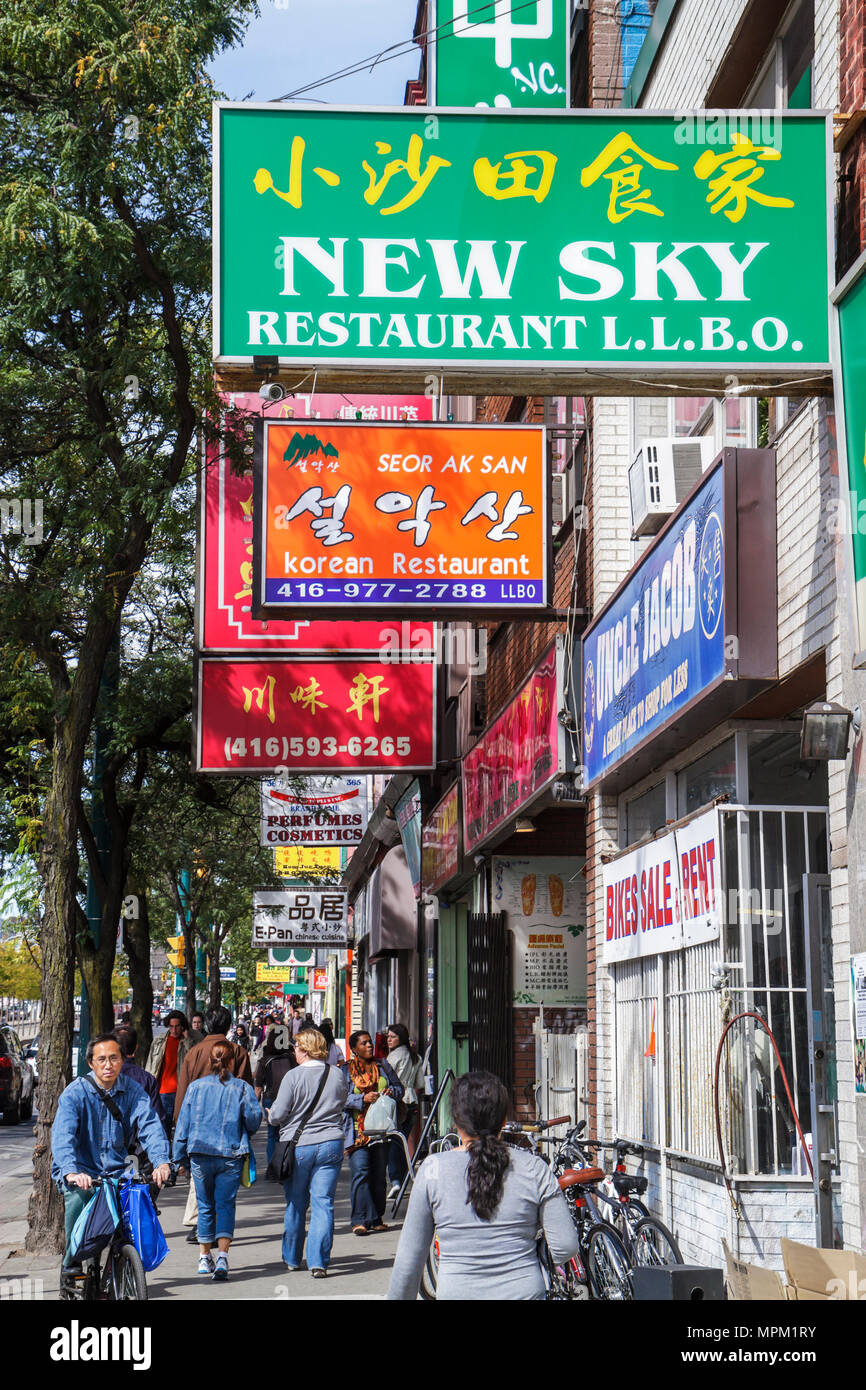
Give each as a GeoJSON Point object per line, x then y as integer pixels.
{"type": "Point", "coordinates": [88, 1142]}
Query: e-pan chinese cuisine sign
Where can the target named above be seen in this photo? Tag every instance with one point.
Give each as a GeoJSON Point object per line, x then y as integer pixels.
{"type": "Point", "coordinates": [470, 241]}
{"type": "Point", "coordinates": [401, 518]}
{"type": "Point", "coordinates": [286, 715]}
{"type": "Point", "coordinates": [301, 917]}
{"type": "Point", "coordinates": [691, 633]}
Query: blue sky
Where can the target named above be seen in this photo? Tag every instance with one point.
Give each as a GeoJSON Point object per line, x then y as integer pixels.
{"type": "Point", "coordinates": [297, 41]}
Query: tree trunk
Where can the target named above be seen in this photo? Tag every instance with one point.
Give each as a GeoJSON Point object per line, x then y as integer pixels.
{"type": "Point", "coordinates": [136, 943]}
{"type": "Point", "coordinates": [190, 1003]}
{"type": "Point", "coordinates": [57, 936]}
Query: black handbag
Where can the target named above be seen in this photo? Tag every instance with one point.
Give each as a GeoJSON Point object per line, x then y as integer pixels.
{"type": "Point", "coordinates": [282, 1162]}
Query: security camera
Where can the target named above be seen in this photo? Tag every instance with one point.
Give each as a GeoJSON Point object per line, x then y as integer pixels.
{"type": "Point", "coordinates": [272, 391]}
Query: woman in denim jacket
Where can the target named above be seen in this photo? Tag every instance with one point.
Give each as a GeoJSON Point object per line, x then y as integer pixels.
{"type": "Point", "coordinates": [218, 1115]}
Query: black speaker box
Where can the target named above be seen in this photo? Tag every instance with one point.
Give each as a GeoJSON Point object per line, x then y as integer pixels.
{"type": "Point", "coordinates": [678, 1284]}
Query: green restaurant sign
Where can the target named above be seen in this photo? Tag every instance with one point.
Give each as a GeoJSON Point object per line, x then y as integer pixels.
{"type": "Point", "coordinates": [849, 299]}
{"type": "Point", "coordinates": [381, 244]}
{"type": "Point", "coordinates": [500, 53]}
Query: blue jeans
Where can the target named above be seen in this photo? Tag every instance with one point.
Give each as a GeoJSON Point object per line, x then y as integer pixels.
{"type": "Point", "coordinates": [367, 1181]}
{"type": "Point", "coordinates": [217, 1180]}
{"type": "Point", "coordinates": [313, 1183]}
{"type": "Point", "coordinates": [168, 1098]}
{"type": "Point", "coordinates": [273, 1136]}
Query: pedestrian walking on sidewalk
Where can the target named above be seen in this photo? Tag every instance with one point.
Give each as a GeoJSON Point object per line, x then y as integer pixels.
{"type": "Point", "coordinates": [486, 1202]}
{"type": "Point", "coordinates": [336, 1056]}
{"type": "Point", "coordinates": [409, 1067]}
{"type": "Point", "coordinates": [277, 1060]}
{"type": "Point", "coordinates": [368, 1157]}
{"type": "Point", "coordinates": [196, 1063]}
{"type": "Point", "coordinates": [310, 1105]}
{"type": "Point", "coordinates": [217, 1117]}
{"type": "Point", "coordinates": [166, 1057]}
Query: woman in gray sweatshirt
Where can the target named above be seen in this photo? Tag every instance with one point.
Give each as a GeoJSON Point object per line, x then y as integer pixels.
{"type": "Point", "coordinates": [486, 1202]}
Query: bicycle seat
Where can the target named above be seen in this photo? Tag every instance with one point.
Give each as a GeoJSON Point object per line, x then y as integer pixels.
{"type": "Point", "coordinates": [627, 1182]}
{"type": "Point", "coordinates": [574, 1177]}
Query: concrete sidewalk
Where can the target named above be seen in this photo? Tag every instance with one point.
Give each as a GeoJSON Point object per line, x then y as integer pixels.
{"type": "Point", "coordinates": [360, 1265]}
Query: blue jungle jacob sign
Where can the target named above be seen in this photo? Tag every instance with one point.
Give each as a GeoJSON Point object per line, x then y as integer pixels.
{"type": "Point", "coordinates": [661, 640]}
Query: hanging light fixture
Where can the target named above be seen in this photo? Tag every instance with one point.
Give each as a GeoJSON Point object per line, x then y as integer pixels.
{"type": "Point", "coordinates": [524, 826]}
{"type": "Point", "coordinates": [825, 730]}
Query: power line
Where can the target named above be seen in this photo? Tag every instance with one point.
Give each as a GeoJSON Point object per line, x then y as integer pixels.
{"type": "Point", "coordinates": [387, 55]}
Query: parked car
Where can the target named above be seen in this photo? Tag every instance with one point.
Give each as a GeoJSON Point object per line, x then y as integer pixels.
{"type": "Point", "coordinates": [17, 1080]}
{"type": "Point", "coordinates": [32, 1053]}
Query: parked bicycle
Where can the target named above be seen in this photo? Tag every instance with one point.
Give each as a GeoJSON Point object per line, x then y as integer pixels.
{"type": "Point", "coordinates": [600, 1269]}
{"type": "Point", "coordinates": [648, 1241]}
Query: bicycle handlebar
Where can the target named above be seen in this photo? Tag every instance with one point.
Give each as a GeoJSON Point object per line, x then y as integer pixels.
{"type": "Point", "coordinates": [540, 1127]}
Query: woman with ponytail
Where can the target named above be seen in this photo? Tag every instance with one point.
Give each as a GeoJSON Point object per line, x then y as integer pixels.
{"type": "Point", "coordinates": [486, 1203]}
{"type": "Point", "coordinates": [218, 1115]}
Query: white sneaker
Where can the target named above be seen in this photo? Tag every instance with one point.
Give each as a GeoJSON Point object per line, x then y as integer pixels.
{"type": "Point", "coordinates": [221, 1269]}
{"type": "Point", "coordinates": [205, 1264]}
{"type": "Point", "coordinates": [393, 1190]}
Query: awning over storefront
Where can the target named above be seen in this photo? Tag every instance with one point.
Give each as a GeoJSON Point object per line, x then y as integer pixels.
{"type": "Point", "coordinates": [392, 907]}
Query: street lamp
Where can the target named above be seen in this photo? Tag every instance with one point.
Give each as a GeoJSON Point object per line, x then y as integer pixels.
{"type": "Point", "coordinates": [825, 729]}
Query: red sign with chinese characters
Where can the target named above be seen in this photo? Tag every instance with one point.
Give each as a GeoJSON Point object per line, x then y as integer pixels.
{"type": "Point", "coordinates": [440, 842]}
{"type": "Point", "coordinates": [361, 715]}
{"type": "Point", "coordinates": [516, 758]}
{"type": "Point", "coordinates": [225, 623]}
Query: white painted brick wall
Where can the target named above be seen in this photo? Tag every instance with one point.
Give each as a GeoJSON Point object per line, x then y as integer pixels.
{"type": "Point", "coordinates": [696, 42]}
{"type": "Point", "coordinates": [701, 1216]}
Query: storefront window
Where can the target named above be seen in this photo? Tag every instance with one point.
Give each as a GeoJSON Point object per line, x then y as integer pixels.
{"type": "Point", "coordinates": [712, 776]}
{"type": "Point", "coordinates": [645, 814]}
{"type": "Point", "coordinates": [765, 855]}
{"type": "Point", "coordinates": [778, 777]}
{"type": "Point", "coordinates": [688, 413]}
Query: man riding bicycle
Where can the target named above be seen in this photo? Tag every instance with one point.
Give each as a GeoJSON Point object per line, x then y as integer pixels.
{"type": "Point", "coordinates": [97, 1116]}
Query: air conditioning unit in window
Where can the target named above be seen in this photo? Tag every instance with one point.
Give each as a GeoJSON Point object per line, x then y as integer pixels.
{"type": "Point", "coordinates": [663, 473]}
{"type": "Point", "coordinates": [561, 498]}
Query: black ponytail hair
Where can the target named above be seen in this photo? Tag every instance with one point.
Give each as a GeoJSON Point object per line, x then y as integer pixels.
{"type": "Point", "coordinates": [479, 1106]}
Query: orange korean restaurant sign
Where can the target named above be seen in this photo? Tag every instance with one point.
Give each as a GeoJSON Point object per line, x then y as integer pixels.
{"type": "Point", "coordinates": [264, 715]}
{"type": "Point", "coordinates": [354, 518]}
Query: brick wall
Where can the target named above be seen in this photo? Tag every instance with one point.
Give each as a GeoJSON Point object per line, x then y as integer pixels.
{"type": "Point", "coordinates": [852, 162]}
{"type": "Point", "coordinates": [694, 46]}
{"type": "Point", "coordinates": [698, 1211]}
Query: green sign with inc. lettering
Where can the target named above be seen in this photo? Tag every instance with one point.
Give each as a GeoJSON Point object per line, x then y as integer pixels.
{"type": "Point", "coordinates": [499, 53]}
{"type": "Point", "coordinates": [528, 241]}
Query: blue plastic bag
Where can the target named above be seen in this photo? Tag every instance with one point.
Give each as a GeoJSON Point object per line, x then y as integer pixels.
{"type": "Point", "coordinates": [141, 1224]}
{"type": "Point", "coordinates": [95, 1225]}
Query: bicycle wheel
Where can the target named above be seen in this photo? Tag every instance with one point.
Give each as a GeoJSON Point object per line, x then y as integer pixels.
{"type": "Point", "coordinates": [607, 1265]}
{"type": "Point", "coordinates": [653, 1244]}
{"type": "Point", "coordinates": [127, 1281]}
{"type": "Point", "coordinates": [430, 1276]}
